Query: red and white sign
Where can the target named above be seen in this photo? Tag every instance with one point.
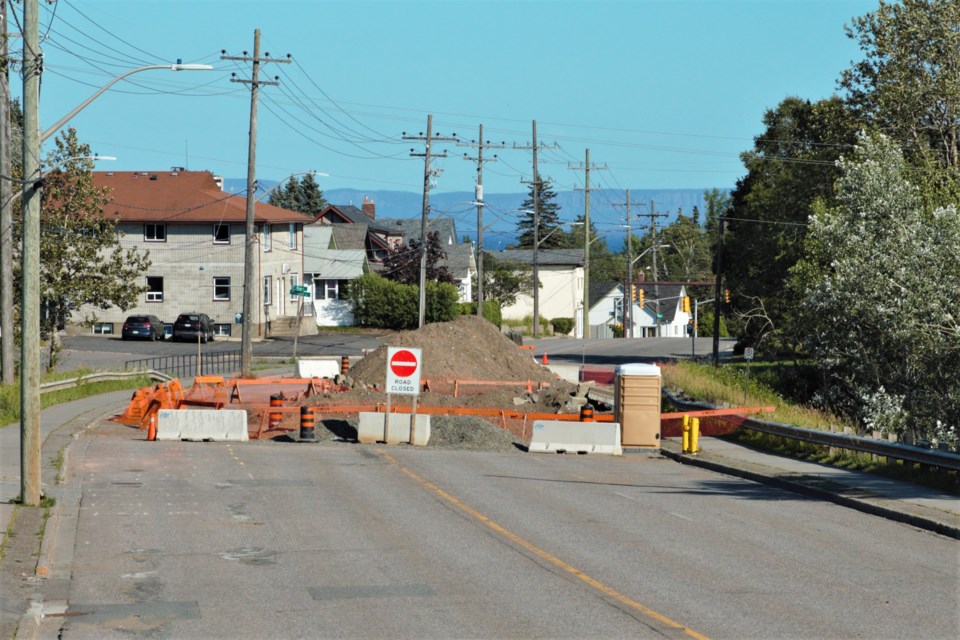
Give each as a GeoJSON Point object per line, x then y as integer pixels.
{"type": "Point", "coordinates": [403, 370]}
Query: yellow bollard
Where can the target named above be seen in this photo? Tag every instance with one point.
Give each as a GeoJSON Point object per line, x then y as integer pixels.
{"type": "Point", "coordinates": [695, 436]}
{"type": "Point", "coordinates": [686, 434]}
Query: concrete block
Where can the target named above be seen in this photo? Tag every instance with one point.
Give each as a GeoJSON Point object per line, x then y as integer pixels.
{"type": "Point", "coordinates": [193, 424]}
{"type": "Point", "coordinates": [317, 367]}
{"type": "Point", "coordinates": [569, 372]}
{"type": "Point", "coordinates": [558, 436]}
{"type": "Point", "coordinates": [372, 423]}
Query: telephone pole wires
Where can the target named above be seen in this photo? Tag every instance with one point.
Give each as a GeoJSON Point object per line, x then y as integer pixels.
{"type": "Point", "coordinates": [427, 174]}
{"type": "Point", "coordinates": [480, 145]}
{"type": "Point", "coordinates": [250, 255]}
{"type": "Point", "coordinates": [586, 167]}
{"type": "Point", "coordinates": [653, 215]}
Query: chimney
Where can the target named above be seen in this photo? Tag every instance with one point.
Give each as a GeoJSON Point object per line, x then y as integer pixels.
{"type": "Point", "coordinates": [369, 207]}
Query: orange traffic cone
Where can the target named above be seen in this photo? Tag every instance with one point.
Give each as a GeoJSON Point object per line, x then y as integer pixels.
{"type": "Point", "coordinates": [545, 361]}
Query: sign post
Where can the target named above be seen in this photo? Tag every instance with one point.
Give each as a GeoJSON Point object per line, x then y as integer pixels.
{"type": "Point", "coordinates": [748, 356]}
{"type": "Point", "coordinates": [403, 377]}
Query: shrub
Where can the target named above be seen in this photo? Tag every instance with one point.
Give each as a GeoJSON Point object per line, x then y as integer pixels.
{"type": "Point", "coordinates": [562, 325]}
{"type": "Point", "coordinates": [378, 302]}
{"type": "Point", "coordinates": [491, 311]}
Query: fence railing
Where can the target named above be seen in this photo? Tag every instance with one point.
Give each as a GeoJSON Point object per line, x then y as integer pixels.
{"type": "Point", "coordinates": [59, 385]}
{"type": "Point", "coordinates": [894, 450]}
{"type": "Point", "coordinates": [185, 366]}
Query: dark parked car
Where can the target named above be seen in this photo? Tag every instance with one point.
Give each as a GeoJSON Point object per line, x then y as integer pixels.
{"type": "Point", "coordinates": [147, 327]}
{"type": "Point", "coordinates": [191, 326]}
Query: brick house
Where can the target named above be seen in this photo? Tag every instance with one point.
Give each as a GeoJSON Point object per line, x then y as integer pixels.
{"type": "Point", "coordinates": [194, 233]}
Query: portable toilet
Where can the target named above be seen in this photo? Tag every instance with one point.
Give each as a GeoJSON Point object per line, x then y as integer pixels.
{"type": "Point", "coordinates": [636, 404]}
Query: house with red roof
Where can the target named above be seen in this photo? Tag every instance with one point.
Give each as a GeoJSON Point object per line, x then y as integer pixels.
{"type": "Point", "coordinates": [195, 235]}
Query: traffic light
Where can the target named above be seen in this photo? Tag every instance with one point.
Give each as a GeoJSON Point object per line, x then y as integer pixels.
{"type": "Point", "coordinates": [633, 292]}
{"type": "Point", "coordinates": [686, 304]}
{"type": "Point", "coordinates": [690, 328]}
{"type": "Point", "coordinates": [726, 295]}
{"type": "Point", "coordinates": [641, 297]}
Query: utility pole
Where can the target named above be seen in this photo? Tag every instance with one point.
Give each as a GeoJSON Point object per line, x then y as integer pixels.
{"type": "Point", "coordinates": [480, 144]}
{"type": "Point", "coordinates": [586, 167]}
{"type": "Point", "coordinates": [6, 209]}
{"type": "Point", "coordinates": [653, 215]}
{"type": "Point", "coordinates": [30, 304]}
{"type": "Point", "coordinates": [716, 294]}
{"type": "Point", "coordinates": [629, 293]}
{"type": "Point", "coordinates": [250, 251]}
{"type": "Point", "coordinates": [427, 174]}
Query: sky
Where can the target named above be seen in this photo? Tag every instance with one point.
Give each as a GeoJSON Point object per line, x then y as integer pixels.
{"type": "Point", "coordinates": [664, 94]}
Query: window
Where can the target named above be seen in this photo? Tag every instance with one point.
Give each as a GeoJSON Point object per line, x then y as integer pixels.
{"type": "Point", "coordinates": [267, 290]}
{"type": "Point", "coordinates": [222, 330]}
{"type": "Point", "coordinates": [103, 328]}
{"type": "Point", "coordinates": [267, 238]}
{"type": "Point", "coordinates": [155, 232]}
{"type": "Point", "coordinates": [294, 281]}
{"type": "Point", "coordinates": [154, 289]}
{"type": "Point", "coordinates": [221, 288]}
{"type": "Point", "coordinates": [221, 234]}
{"type": "Point", "coordinates": [331, 289]}
{"type": "Point", "coordinates": [293, 235]}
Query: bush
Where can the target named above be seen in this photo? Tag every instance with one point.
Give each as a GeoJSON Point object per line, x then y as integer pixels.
{"type": "Point", "coordinates": [491, 311]}
{"type": "Point", "coordinates": [384, 304]}
{"type": "Point", "coordinates": [562, 326]}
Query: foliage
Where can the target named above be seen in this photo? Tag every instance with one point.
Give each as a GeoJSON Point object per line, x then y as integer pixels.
{"type": "Point", "coordinates": [384, 304]}
{"type": "Point", "coordinates": [504, 280]}
{"type": "Point", "coordinates": [705, 325]}
{"type": "Point", "coordinates": [880, 288]}
{"type": "Point", "coordinates": [549, 232]}
{"type": "Point", "coordinates": [82, 258]}
{"type": "Point", "coordinates": [402, 263]}
{"type": "Point", "coordinates": [605, 266]}
{"type": "Point", "coordinates": [688, 258]}
{"type": "Point", "coordinates": [769, 211]}
{"type": "Point", "coordinates": [562, 326]}
{"type": "Point", "coordinates": [491, 311]}
{"type": "Point", "coordinates": [303, 195]}
{"type": "Point", "coordinates": [10, 393]}
{"type": "Point", "coordinates": [907, 84]}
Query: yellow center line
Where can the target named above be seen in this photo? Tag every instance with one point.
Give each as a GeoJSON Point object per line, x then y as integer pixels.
{"type": "Point", "coordinates": [540, 553]}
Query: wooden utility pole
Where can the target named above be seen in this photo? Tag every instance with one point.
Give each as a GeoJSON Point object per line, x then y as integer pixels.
{"type": "Point", "coordinates": [250, 251]}
{"type": "Point", "coordinates": [586, 168]}
{"type": "Point", "coordinates": [427, 174]}
{"type": "Point", "coordinates": [629, 293]}
{"type": "Point", "coordinates": [655, 241]}
{"type": "Point", "coordinates": [30, 303]}
{"type": "Point", "coordinates": [717, 300]}
{"type": "Point", "coordinates": [480, 144]}
{"type": "Point", "coordinates": [6, 209]}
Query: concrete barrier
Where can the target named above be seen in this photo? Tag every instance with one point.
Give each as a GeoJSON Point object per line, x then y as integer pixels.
{"type": "Point", "coordinates": [569, 372]}
{"type": "Point", "coordinates": [557, 436]}
{"type": "Point", "coordinates": [371, 428]}
{"type": "Point", "coordinates": [195, 424]}
{"type": "Point", "coordinates": [317, 367]}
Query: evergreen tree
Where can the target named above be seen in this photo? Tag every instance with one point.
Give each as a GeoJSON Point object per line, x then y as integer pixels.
{"type": "Point", "coordinates": [311, 200]}
{"type": "Point", "coordinates": [549, 232]}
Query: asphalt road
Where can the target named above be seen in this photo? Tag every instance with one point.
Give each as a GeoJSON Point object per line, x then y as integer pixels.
{"type": "Point", "coordinates": [205, 540]}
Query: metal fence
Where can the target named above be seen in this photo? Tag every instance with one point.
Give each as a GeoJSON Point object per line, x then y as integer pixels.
{"type": "Point", "coordinates": [186, 366]}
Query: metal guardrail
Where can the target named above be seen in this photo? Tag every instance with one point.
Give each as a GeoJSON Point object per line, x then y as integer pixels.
{"type": "Point", "coordinates": [106, 376]}
{"type": "Point", "coordinates": [185, 366]}
{"type": "Point", "coordinates": [895, 450]}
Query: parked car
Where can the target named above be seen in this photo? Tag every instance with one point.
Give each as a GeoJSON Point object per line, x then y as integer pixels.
{"type": "Point", "coordinates": [147, 327]}
{"type": "Point", "coordinates": [191, 326]}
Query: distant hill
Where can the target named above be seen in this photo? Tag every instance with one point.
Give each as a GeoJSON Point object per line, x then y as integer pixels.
{"type": "Point", "coordinates": [408, 204]}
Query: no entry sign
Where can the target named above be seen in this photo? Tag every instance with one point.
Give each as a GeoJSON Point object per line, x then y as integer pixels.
{"type": "Point", "coordinates": [403, 370]}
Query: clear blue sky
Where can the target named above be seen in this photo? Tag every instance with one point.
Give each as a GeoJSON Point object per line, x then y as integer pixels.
{"type": "Point", "coordinates": [665, 93]}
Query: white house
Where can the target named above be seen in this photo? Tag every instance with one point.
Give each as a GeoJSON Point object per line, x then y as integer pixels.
{"type": "Point", "coordinates": [607, 300]}
{"type": "Point", "coordinates": [329, 271]}
{"type": "Point", "coordinates": [561, 280]}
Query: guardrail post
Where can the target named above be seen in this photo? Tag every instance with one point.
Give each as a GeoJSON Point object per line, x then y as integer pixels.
{"type": "Point", "coordinates": [695, 435]}
{"type": "Point", "coordinates": [686, 434]}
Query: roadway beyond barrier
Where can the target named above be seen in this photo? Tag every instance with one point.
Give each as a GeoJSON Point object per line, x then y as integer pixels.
{"type": "Point", "coordinates": [558, 436]}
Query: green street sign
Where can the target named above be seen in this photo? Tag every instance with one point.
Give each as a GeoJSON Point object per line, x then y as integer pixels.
{"type": "Point", "coordinates": [300, 291]}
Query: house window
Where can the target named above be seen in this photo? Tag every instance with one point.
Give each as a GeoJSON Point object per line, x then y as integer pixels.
{"type": "Point", "coordinates": [154, 232]}
{"type": "Point", "coordinates": [267, 238]}
{"type": "Point", "coordinates": [618, 310]}
{"type": "Point", "coordinates": [294, 281]}
{"type": "Point", "coordinates": [331, 289]}
{"type": "Point", "coordinates": [103, 328]}
{"type": "Point", "coordinates": [221, 234]}
{"type": "Point", "coordinates": [221, 288]}
{"type": "Point", "coordinates": [154, 289]}
{"type": "Point", "coordinates": [293, 235]}
{"type": "Point", "coordinates": [222, 330]}
{"type": "Point", "coordinates": [267, 290]}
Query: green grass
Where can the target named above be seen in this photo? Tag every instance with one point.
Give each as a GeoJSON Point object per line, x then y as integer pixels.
{"type": "Point", "coordinates": [10, 393]}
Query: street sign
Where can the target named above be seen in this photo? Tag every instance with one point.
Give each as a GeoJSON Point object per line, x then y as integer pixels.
{"type": "Point", "coordinates": [403, 370]}
{"type": "Point", "coordinates": [748, 353]}
{"type": "Point", "coordinates": [300, 291]}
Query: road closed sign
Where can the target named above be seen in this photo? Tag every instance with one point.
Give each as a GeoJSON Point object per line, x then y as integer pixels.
{"type": "Point", "coordinates": [403, 370]}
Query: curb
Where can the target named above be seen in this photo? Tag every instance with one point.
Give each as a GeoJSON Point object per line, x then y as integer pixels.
{"type": "Point", "coordinates": [810, 491]}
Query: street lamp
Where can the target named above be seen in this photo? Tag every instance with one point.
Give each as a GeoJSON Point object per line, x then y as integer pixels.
{"type": "Point", "coordinates": [30, 306]}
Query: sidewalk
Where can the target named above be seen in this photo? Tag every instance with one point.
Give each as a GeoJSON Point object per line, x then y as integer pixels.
{"type": "Point", "coordinates": [905, 502]}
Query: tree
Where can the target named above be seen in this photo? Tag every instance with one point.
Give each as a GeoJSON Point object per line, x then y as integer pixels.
{"type": "Point", "coordinates": [791, 166]}
{"type": "Point", "coordinates": [402, 263]}
{"type": "Point", "coordinates": [82, 259]}
{"type": "Point", "coordinates": [881, 287]}
{"type": "Point", "coordinates": [549, 231]}
{"type": "Point", "coordinates": [689, 257]}
{"type": "Point", "coordinates": [303, 195]}
{"type": "Point", "coordinates": [504, 280]}
{"type": "Point", "coordinates": [604, 265]}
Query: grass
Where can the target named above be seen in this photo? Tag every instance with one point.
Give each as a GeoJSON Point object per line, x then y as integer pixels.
{"type": "Point", "coordinates": [723, 386]}
{"type": "Point", "coordinates": [9, 532]}
{"type": "Point", "coordinates": [10, 393]}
